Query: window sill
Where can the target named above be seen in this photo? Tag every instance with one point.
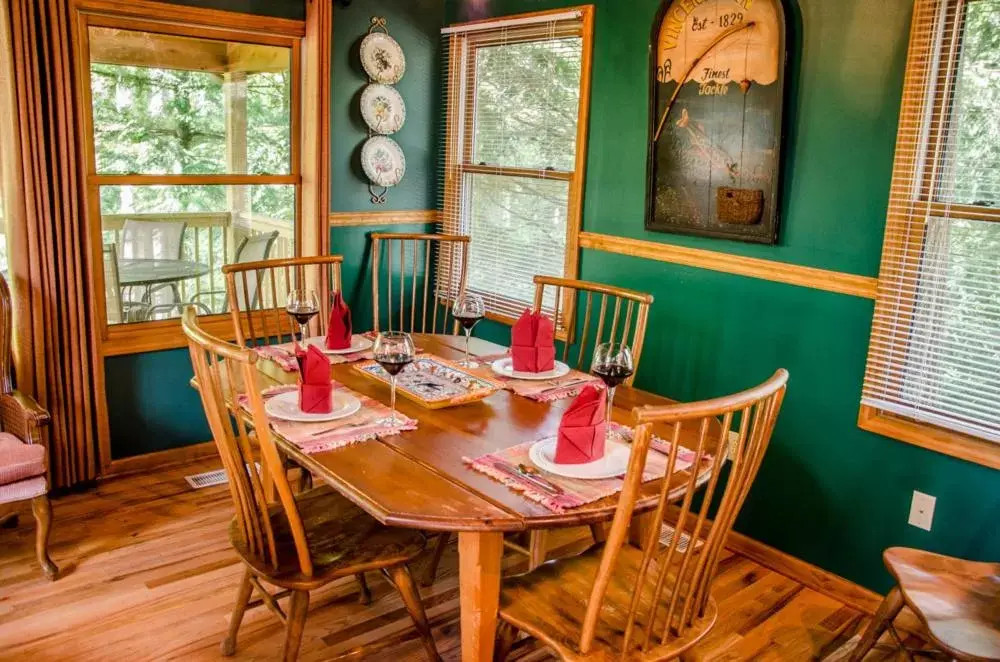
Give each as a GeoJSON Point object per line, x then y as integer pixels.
{"type": "Point", "coordinates": [930, 437]}
{"type": "Point", "coordinates": [156, 336]}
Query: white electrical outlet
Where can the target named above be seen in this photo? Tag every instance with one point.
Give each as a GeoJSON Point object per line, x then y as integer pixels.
{"type": "Point", "coordinates": [922, 510]}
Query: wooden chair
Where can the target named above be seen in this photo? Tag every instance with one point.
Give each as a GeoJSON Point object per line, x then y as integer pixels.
{"type": "Point", "coordinates": [23, 458]}
{"type": "Point", "coordinates": [299, 542]}
{"type": "Point", "coordinates": [957, 602]}
{"type": "Point", "coordinates": [256, 293]}
{"type": "Point", "coordinates": [621, 317]}
{"type": "Point", "coordinates": [619, 602]}
{"type": "Point", "coordinates": [436, 266]}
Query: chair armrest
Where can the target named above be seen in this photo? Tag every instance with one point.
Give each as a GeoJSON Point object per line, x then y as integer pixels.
{"type": "Point", "coordinates": [23, 417]}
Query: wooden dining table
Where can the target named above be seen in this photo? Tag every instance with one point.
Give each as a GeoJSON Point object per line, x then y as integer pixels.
{"type": "Point", "coordinates": [420, 478]}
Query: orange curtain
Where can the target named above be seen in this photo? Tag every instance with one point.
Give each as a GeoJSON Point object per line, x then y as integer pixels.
{"type": "Point", "coordinates": [47, 247]}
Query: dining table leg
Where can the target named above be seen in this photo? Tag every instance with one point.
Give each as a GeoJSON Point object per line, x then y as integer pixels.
{"type": "Point", "coordinates": [479, 556]}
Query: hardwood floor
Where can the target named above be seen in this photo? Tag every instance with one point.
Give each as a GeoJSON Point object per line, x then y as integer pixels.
{"type": "Point", "coordinates": [147, 574]}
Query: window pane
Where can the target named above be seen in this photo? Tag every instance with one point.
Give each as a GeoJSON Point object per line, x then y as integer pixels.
{"type": "Point", "coordinates": [527, 104]}
{"type": "Point", "coordinates": [165, 246]}
{"type": "Point", "coordinates": [176, 105]}
{"type": "Point", "coordinates": [518, 230]}
{"type": "Point", "coordinates": [954, 356]}
{"type": "Point", "coordinates": [972, 174]}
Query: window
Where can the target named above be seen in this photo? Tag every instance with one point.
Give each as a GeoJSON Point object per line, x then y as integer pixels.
{"type": "Point", "coordinates": [933, 374]}
{"type": "Point", "coordinates": [517, 99]}
{"type": "Point", "coordinates": [193, 154]}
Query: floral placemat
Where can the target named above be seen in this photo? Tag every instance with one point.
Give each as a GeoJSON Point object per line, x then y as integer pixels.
{"type": "Point", "coordinates": [576, 492]}
{"type": "Point", "coordinates": [547, 390]}
{"type": "Point", "coordinates": [370, 422]}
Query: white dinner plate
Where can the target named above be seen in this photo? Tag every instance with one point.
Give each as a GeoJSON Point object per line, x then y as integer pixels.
{"type": "Point", "coordinates": [286, 407]}
{"type": "Point", "coordinates": [382, 58]}
{"type": "Point", "coordinates": [358, 344]}
{"type": "Point", "coordinates": [614, 463]}
{"type": "Point", "coordinates": [505, 368]}
{"type": "Point", "coordinates": [383, 161]}
{"type": "Point", "coordinates": [383, 109]}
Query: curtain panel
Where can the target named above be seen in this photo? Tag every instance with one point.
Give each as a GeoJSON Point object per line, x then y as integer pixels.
{"type": "Point", "coordinates": [48, 242]}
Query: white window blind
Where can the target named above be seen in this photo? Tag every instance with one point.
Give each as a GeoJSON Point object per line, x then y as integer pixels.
{"type": "Point", "coordinates": [510, 158]}
{"type": "Point", "coordinates": [935, 347]}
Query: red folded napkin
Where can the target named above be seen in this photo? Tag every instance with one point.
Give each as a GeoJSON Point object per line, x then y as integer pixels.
{"type": "Point", "coordinates": [582, 430]}
{"type": "Point", "coordinates": [315, 382]}
{"type": "Point", "coordinates": [338, 330]}
{"type": "Point", "coordinates": [532, 345]}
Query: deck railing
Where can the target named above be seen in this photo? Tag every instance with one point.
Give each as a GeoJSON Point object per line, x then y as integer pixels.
{"type": "Point", "coordinates": [211, 238]}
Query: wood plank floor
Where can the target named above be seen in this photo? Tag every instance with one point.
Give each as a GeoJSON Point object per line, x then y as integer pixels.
{"type": "Point", "coordinates": [147, 574]}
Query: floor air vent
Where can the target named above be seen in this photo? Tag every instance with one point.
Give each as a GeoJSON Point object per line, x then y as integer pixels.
{"type": "Point", "coordinates": [667, 537]}
{"type": "Point", "coordinates": [209, 479]}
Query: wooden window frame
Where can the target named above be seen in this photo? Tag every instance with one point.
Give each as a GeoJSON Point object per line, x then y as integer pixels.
{"type": "Point", "coordinates": [456, 167]}
{"type": "Point", "coordinates": [902, 236]}
{"type": "Point", "coordinates": [192, 22]}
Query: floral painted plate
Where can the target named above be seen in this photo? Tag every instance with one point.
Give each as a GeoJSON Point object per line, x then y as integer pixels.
{"type": "Point", "coordinates": [383, 109]}
{"type": "Point", "coordinates": [382, 58]}
{"type": "Point", "coordinates": [383, 161]}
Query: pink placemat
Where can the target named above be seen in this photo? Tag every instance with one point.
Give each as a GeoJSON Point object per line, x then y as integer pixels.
{"type": "Point", "coordinates": [370, 422]}
{"type": "Point", "coordinates": [284, 356]}
{"type": "Point", "coordinates": [576, 492]}
{"type": "Point", "coordinates": [547, 390]}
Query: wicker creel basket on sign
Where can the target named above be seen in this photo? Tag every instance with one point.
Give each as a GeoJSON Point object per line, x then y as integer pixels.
{"type": "Point", "coordinates": [740, 206]}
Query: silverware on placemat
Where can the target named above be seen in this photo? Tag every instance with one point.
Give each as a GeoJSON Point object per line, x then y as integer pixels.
{"type": "Point", "coordinates": [537, 481]}
{"type": "Point", "coordinates": [359, 424]}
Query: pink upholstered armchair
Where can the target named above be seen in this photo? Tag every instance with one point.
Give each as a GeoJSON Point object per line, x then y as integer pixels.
{"type": "Point", "coordinates": [23, 460]}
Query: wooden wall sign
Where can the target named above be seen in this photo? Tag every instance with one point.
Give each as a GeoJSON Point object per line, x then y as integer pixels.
{"type": "Point", "coordinates": [718, 75]}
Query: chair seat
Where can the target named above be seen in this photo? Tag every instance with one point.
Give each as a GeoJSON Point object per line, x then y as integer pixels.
{"type": "Point", "coordinates": [18, 460]}
{"type": "Point", "coordinates": [959, 601]}
{"type": "Point", "coordinates": [343, 540]}
{"type": "Point", "coordinates": [550, 603]}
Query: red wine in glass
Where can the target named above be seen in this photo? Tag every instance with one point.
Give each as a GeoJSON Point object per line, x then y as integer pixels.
{"type": "Point", "coordinates": [468, 310]}
{"type": "Point", "coordinates": [302, 306]}
{"type": "Point", "coordinates": [612, 375]}
{"type": "Point", "coordinates": [394, 363]}
{"type": "Point", "coordinates": [468, 322]}
{"type": "Point", "coordinates": [613, 364]}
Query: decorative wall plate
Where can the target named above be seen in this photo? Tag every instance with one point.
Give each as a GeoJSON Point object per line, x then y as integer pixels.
{"type": "Point", "coordinates": [383, 161]}
{"type": "Point", "coordinates": [383, 109]}
{"type": "Point", "coordinates": [383, 58]}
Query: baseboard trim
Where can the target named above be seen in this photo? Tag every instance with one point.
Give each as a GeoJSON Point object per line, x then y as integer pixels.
{"type": "Point", "coordinates": [374, 218]}
{"type": "Point", "coordinates": [160, 459]}
{"type": "Point", "coordinates": [819, 580]}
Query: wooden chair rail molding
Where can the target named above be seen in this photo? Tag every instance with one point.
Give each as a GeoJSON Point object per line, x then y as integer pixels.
{"type": "Point", "coordinates": [373, 218]}
{"type": "Point", "coordinates": [779, 272]}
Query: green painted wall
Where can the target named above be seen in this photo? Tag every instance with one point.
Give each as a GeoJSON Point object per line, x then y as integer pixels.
{"type": "Point", "coordinates": [416, 25]}
{"type": "Point", "coordinates": [828, 492]}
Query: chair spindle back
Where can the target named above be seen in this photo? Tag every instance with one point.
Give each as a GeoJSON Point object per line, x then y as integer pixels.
{"type": "Point", "coordinates": [443, 272]}
{"type": "Point", "coordinates": [682, 575]}
{"type": "Point", "coordinates": [227, 376]}
{"type": "Point", "coordinates": [628, 311]}
{"type": "Point", "coordinates": [256, 294]}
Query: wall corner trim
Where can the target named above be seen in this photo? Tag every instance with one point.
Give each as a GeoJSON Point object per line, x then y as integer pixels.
{"type": "Point", "coordinates": [779, 272]}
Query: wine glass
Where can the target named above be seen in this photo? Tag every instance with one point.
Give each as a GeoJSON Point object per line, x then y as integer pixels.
{"type": "Point", "coordinates": [468, 311]}
{"type": "Point", "coordinates": [394, 351]}
{"type": "Point", "coordinates": [302, 306]}
{"type": "Point", "coordinates": [613, 364]}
